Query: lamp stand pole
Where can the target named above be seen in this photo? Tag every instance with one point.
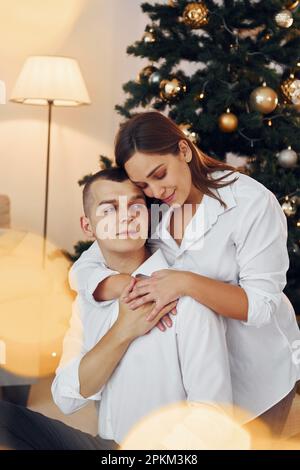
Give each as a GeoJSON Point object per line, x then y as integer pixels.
{"type": "Point", "coordinates": [50, 104]}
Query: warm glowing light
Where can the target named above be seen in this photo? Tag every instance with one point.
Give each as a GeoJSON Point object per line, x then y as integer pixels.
{"type": "Point", "coordinates": [35, 26]}
{"type": "Point", "coordinates": [35, 304]}
{"type": "Point", "coordinates": [196, 426]}
{"type": "Point", "coordinates": [188, 426]}
{"type": "Point", "coordinates": [50, 78]}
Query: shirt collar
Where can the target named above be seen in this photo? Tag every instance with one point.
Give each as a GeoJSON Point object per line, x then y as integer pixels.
{"type": "Point", "coordinates": [153, 263]}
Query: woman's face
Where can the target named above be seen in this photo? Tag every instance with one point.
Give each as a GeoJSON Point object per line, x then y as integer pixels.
{"type": "Point", "coordinates": [165, 177]}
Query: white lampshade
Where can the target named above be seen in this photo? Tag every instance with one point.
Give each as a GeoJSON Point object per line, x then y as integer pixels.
{"type": "Point", "coordinates": [49, 78]}
{"type": "Point", "coordinates": [2, 92]}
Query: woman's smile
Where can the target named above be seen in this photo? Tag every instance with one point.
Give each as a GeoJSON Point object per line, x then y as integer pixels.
{"type": "Point", "coordinates": [170, 198]}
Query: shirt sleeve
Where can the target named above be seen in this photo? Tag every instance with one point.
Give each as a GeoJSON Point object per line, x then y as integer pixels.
{"type": "Point", "coordinates": [66, 386]}
{"type": "Point", "coordinates": [203, 353]}
{"type": "Point", "coordinates": [88, 271]}
{"type": "Point", "coordinates": [260, 236]}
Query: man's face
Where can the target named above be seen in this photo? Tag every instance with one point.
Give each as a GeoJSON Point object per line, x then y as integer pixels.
{"type": "Point", "coordinates": [118, 215]}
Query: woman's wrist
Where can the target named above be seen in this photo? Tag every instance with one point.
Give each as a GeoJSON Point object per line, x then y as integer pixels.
{"type": "Point", "coordinates": [183, 285]}
{"type": "Point", "coordinates": [186, 286]}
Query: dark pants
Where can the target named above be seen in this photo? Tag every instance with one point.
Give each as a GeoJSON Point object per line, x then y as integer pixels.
{"type": "Point", "coordinates": [23, 429]}
{"type": "Point", "coordinates": [17, 394]}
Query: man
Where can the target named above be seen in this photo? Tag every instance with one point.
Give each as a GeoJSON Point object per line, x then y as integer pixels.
{"type": "Point", "coordinates": [114, 361]}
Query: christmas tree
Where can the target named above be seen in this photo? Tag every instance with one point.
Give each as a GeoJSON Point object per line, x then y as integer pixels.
{"type": "Point", "coordinates": [242, 97]}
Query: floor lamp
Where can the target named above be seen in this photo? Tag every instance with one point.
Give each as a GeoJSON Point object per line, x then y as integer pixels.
{"type": "Point", "coordinates": [50, 81]}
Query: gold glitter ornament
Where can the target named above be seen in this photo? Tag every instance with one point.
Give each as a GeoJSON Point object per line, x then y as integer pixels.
{"type": "Point", "coordinates": [290, 88]}
{"type": "Point", "coordinates": [195, 15]}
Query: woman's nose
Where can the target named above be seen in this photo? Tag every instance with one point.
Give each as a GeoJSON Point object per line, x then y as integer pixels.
{"type": "Point", "coordinates": [157, 191]}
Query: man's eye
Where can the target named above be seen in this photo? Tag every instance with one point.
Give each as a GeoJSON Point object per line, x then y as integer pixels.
{"type": "Point", "coordinates": [137, 206]}
{"type": "Point", "coordinates": [108, 210]}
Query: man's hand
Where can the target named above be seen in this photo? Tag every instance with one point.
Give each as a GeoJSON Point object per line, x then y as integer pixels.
{"type": "Point", "coordinates": [134, 323]}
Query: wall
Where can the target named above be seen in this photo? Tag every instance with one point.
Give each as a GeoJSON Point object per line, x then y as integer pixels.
{"type": "Point", "coordinates": [96, 33]}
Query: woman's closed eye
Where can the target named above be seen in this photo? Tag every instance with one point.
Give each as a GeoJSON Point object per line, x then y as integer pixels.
{"type": "Point", "coordinates": [160, 176]}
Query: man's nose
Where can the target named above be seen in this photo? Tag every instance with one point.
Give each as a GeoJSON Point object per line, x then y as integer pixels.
{"type": "Point", "coordinates": [125, 216]}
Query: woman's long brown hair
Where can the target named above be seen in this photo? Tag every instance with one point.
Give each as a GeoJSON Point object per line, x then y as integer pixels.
{"type": "Point", "coordinates": [153, 133]}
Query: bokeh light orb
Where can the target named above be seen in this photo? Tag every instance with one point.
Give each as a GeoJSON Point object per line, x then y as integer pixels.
{"type": "Point", "coordinates": [186, 426]}
{"type": "Point", "coordinates": [35, 304]}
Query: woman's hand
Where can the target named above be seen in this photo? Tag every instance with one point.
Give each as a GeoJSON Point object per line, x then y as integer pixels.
{"type": "Point", "coordinates": [134, 323]}
{"type": "Point", "coordinates": [162, 287]}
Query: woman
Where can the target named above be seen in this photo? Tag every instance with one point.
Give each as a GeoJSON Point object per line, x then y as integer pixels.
{"type": "Point", "coordinates": [229, 254]}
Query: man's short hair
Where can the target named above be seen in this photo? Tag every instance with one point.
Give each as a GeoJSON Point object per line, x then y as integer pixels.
{"type": "Point", "coordinates": [112, 174]}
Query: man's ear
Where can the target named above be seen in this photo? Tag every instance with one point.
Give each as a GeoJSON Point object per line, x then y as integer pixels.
{"type": "Point", "coordinates": [86, 227]}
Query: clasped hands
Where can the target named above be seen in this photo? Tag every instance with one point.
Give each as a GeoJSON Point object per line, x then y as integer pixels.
{"type": "Point", "coordinates": [163, 288]}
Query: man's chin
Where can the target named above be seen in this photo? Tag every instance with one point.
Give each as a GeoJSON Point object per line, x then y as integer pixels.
{"type": "Point", "coordinates": [125, 244]}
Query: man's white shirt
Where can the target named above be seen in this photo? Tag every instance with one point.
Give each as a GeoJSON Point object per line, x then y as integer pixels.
{"type": "Point", "coordinates": [186, 362]}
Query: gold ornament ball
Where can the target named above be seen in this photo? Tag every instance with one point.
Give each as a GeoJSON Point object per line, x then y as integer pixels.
{"type": "Point", "coordinates": [228, 122]}
{"type": "Point", "coordinates": [171, 89]}
{"type": "Point", "coordinates": [284, 19]}
{"type": "Point", "coordinates": [263, 99]}
{"type": "Point", "coordinates": [146, 72]}
{"type": "Point", "coordinates": [195, 15]}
